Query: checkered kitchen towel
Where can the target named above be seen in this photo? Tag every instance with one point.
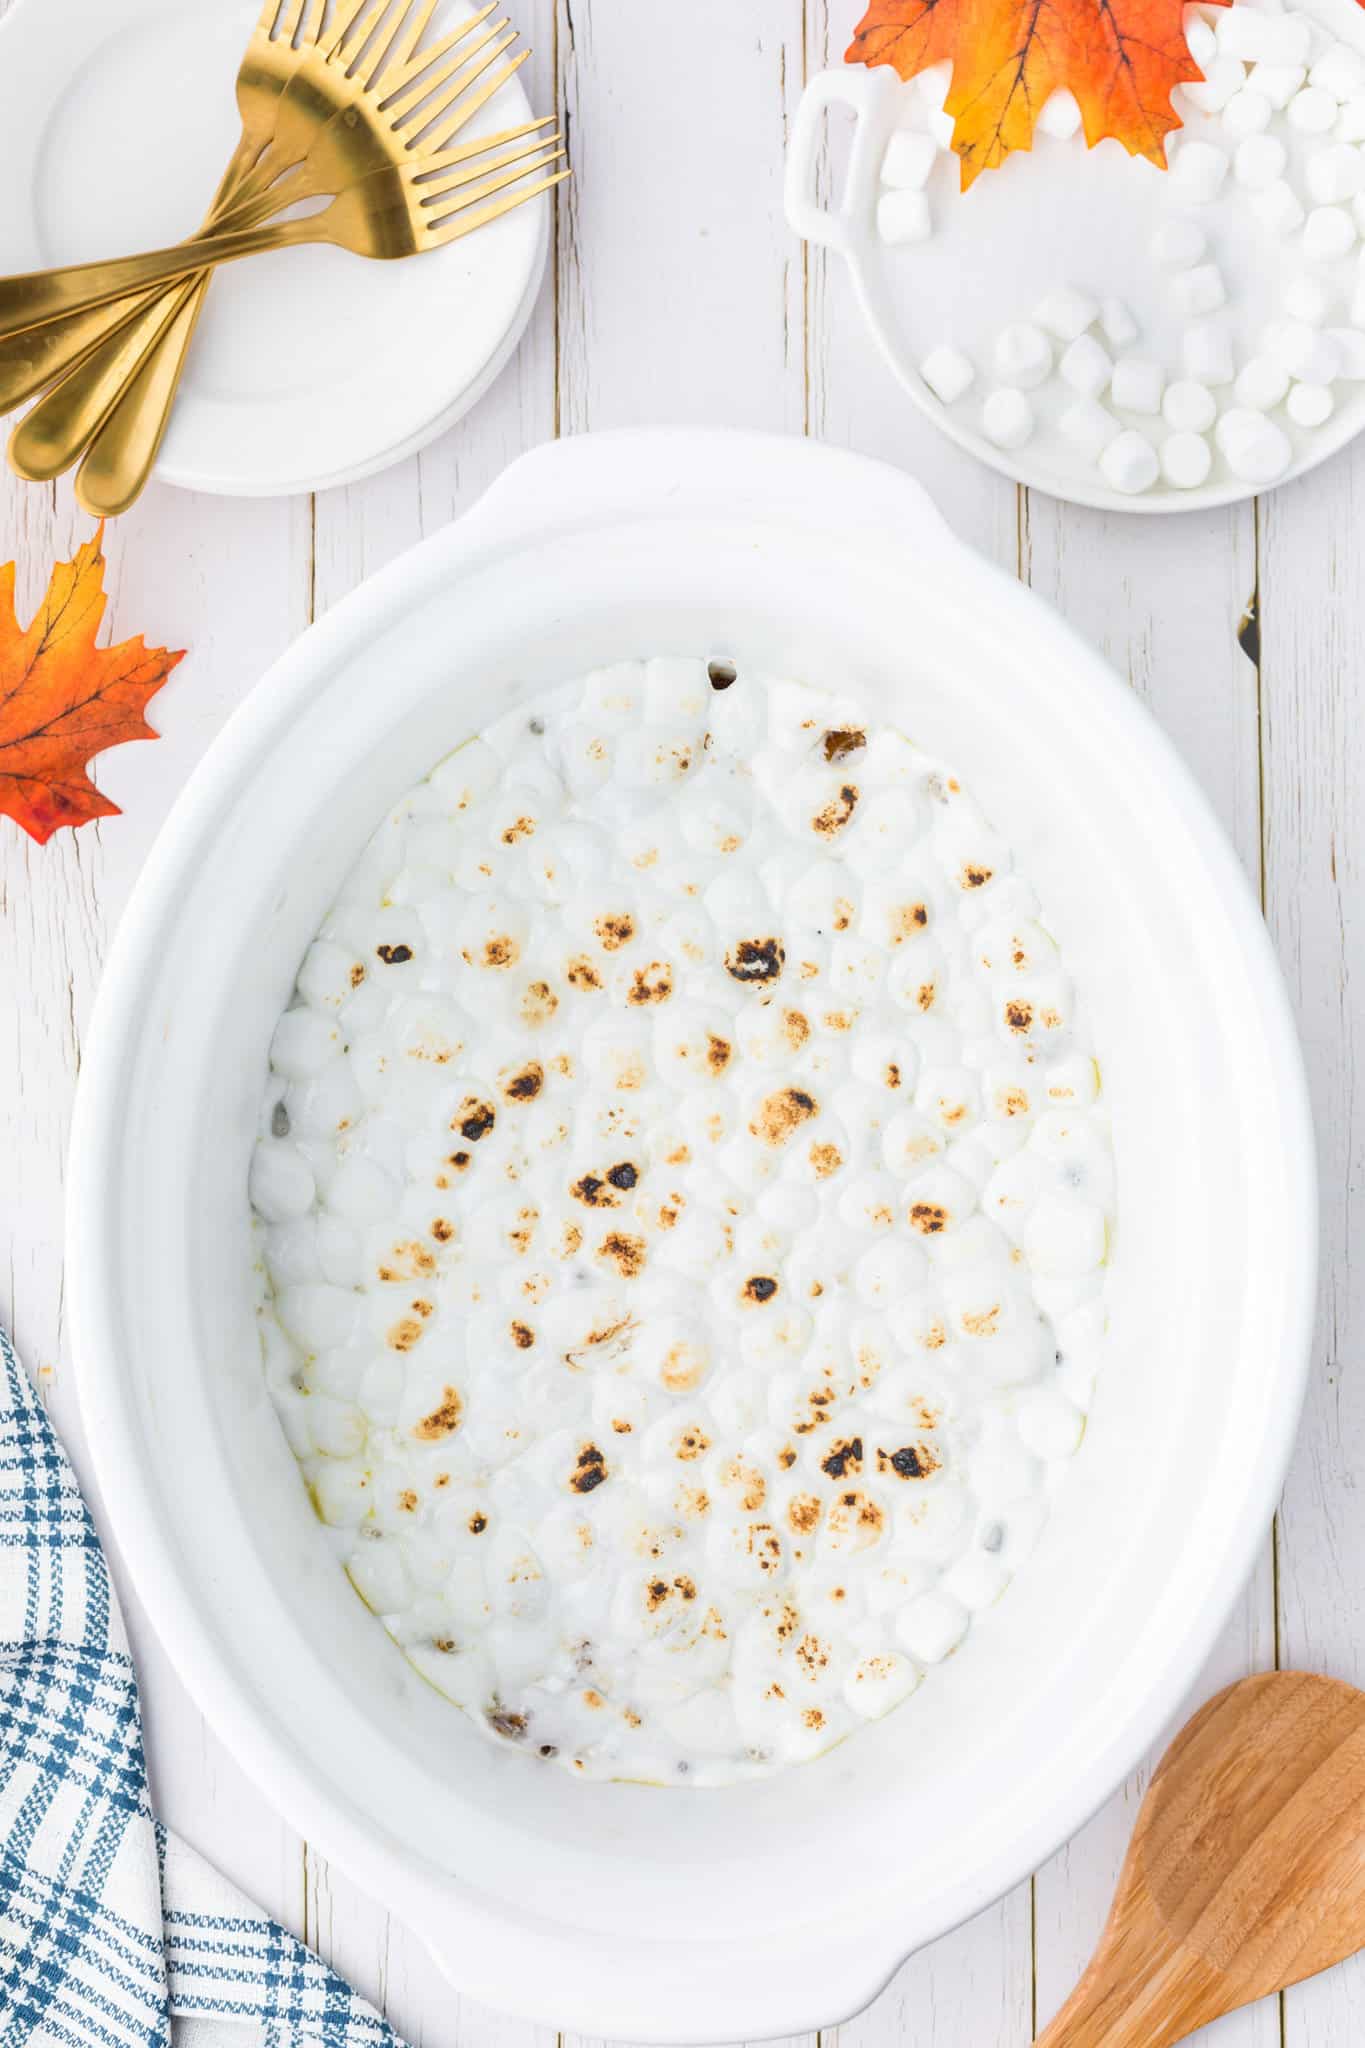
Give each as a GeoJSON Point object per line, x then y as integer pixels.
{"type": "Point", "coordinates": [108, 1924]}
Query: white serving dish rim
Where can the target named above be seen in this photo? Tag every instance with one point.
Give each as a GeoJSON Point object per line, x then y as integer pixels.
{"type": "Point", "coordinates": [591, 487]}
{"type": "Point", "coordinates": [848, 228]}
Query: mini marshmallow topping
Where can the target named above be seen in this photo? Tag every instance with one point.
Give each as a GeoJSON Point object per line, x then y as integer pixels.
{"type": "Point", "coordinates": [683, 1192]}
{"type": "Point", "coordinates": [1089, 427]}
{"type": "Point", "coordinates": [1130, 463]}
{"type": "Point", "coordinates": [1278, 207]}
{"type": "Point", "coordinates": [908, 161]}
{"type": "Point", "coordinates": [1023, 355]}
{"type": "Point", "coordinates": [903, 216]}
{"type": "Point", "coordinates": [1136, 385]}
{"type": "Point", "coordinates": [1189, 407]}
{"type": "Point", "coordinates": [1199, 291]}
{"type": "Point", "coordinates": [1269, 152]}
{"type": "Point", "coordinates": [1007, 418]}
{"type": "Point", "coordinates": [1260, 161]}
{"type": "Point", "coordinates": [1061, 115]}
{"type": "Point", "coordinates": [1179, 244]}
{"type": "Point", "coordinates": [947, 372]}
{"type": "Point", "coordinates": [1310, 405]}
{"type": "Point", "coordinates": [1117, 323]}
{"type": "Point", "coordinates": [1186, 460]}
{"type": "Point", "coordinates": [1086, 367]}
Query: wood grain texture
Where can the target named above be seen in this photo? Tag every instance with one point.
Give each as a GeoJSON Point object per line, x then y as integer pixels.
{"type": "Point", "coordinates": [1162, 600]}
{"type": "Point", "coordinates": [678, 294]}
{"type": "Point", "coordinates": [1246, 1870]}
{"type": "Point", "coordinates": [56, 918]}
{"type": "Point", "coordinates": [1313, 657]}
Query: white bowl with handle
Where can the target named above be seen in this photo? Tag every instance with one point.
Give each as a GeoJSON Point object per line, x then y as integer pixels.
{"type": "Point", "coordinates": [1058, 214]}
{"type": "Point", "coordinates": [775, 1906]}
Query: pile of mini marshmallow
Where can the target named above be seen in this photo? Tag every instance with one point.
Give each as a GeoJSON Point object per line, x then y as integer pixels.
{"type": "Point", "coordinates": [1281, 119]}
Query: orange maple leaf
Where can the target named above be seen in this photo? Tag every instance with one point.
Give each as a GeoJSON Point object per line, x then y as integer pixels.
{"type": "Point", "coordinates": [63, 699]}
{"type": "Point", "coordinates": [1119, 57]}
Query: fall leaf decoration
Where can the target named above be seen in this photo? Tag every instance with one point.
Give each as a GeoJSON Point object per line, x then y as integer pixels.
{"type": "Point", "coordinates": [1119, 57]}
{"type": "Point", "coordinates": [63, 699]}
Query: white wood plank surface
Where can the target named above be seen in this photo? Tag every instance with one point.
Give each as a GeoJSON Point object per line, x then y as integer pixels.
{"type": "Point", "coordinates": [1313, 645]}
{"type": "Point", "coordinates": [1163, 599]}
{"type": "Point", "coordinates": [677, 294]}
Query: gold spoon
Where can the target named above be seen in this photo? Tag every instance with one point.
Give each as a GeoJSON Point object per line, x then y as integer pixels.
{"type": "Point", "coordinates": [1246, 1871]}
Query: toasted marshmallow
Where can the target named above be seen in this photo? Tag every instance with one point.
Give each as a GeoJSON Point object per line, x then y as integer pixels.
{"type": "Point", "coordinates": [685, 1190]}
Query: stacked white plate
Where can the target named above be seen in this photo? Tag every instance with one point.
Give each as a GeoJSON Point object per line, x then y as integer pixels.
{"type": "Point", "coordinates": [310, 367]}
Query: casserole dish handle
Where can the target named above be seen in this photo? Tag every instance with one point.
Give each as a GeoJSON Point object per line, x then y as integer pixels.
{"type": "Point", "coordinates": [679, 473]}
{"type": "Point", "coordinates": [871, 95]}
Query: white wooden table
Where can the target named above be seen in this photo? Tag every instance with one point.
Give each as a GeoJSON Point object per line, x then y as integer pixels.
{"type": "Point", "coordinates": [677, 294]}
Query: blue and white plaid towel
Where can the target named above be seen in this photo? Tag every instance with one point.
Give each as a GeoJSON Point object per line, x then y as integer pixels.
{"type": "Point", "coordinates": [108, 1924]}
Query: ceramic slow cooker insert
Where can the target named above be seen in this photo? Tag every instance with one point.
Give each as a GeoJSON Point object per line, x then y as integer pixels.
{"type": "Point", "coordinates": [783, 1904]}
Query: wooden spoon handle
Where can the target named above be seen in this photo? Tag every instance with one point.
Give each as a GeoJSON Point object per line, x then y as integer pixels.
{"type": "Point", "coordinates": [1136, 2001]}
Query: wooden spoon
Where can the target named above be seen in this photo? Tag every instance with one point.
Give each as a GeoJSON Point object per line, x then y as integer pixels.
{"type": "Point", "coordinates": [1246, 1871]}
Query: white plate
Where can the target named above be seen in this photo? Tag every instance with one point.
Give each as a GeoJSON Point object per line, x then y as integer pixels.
{"type": "Point", "coordinates": [1060, 214]}
{"type": "Point", "coordinates": [310, 367]}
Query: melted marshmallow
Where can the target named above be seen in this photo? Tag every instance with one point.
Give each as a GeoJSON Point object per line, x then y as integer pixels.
{"type": "Point", "coordinates": [684, 1200]}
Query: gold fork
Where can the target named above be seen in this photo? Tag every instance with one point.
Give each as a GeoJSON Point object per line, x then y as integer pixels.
{"type": "Point", "coordinates": [403, 212]}
{"type": "Point", "coordinates": [302, 138]}
{"type": "Point", "coordinates": [31, 358]}
{"type": "Point", "coordinates": [307, 160]}
{"type": "Point", "coordinates": [363, 96]}
{"type": "Point", "coordinates": [377, 70]}
{"type": "Point", "coordinates": [390, 214]}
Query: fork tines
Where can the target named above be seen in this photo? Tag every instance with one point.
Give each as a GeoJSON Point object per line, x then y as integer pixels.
{"type": "Point", "coordinates": [383, 39]}
{"type": "Point", "coordinates": [430, 166]}
{"type": "Point", "coordinates": [404, 65]}
{"type": "Point", "coordinates": [429, 99]}
{"type": "Point", "coordinates": [478, 182]}
{"type": "Point", "coordinates": [292, 21]}
{"type": "Point", "coordinates": [469, 105]}
{"type": "Point", "coordinates": [389, 50]}
{"type": "Point", "coordinates": [428, 95]}
{"type": "Point", "coordinates": [469, 216]}
{"type": "Point", "coordinates": [482, 160]}
{"type": "Point", "coordinates": [426, 75]}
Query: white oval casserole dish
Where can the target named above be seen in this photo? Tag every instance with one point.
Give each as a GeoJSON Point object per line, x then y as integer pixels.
{"type": "Point", "coordinates": [784, 1904]}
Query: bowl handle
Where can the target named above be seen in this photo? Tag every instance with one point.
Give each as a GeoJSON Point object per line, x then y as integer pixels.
{"type": "Point", "coordinates": [668, 473]}
{"type": "Point", "coordinates": [870, 94]}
